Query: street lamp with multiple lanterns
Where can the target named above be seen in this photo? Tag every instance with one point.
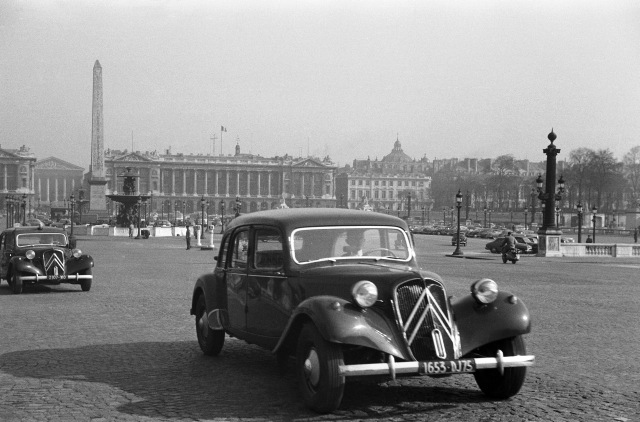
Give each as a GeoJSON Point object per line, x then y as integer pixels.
{"type": "Point", "coordinates": [458, 206]}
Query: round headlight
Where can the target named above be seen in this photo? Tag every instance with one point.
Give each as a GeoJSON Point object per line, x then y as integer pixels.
{"type": "Point", "coordinates": [365, 293]}
{"type": "Point", "coordinates": [484, 291]}
{"type": "Point", "coordinates": [77, 253]}
{"type": "Point", "coordinates": [30, 254]}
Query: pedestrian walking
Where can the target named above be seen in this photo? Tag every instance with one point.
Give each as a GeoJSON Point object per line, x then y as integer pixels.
{"type": "Point", "coordinates": [131, 227]}
{"type": "Point", "coordinates": [195, 232]}
{"type": "Point", "coordinates": [188, 237]}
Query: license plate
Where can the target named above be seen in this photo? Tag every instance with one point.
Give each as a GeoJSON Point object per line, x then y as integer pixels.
{"type": "Point", "coordinates": [56, 277]}
{"type": "Point", "coordinates": [441, 367]}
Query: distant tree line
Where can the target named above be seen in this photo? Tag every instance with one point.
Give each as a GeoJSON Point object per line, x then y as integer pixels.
{"type": "Point", "coordinates": [592, 177]}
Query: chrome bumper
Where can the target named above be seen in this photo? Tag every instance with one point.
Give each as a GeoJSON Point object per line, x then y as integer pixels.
{"type": "Point", "coordinates": [392, 368]}
{"type": "Point", "coordinates": [73, 277]}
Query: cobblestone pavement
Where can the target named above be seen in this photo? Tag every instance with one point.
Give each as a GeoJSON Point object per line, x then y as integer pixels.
{"type": "Point", "coordinates": [126, 350]}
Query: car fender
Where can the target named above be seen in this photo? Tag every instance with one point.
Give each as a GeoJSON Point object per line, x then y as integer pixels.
{"type": "Point", "coordinates": [214, 295]}
{"type": "Point", "coordinates": [340, 321]}
{"type": "Point", "coordinates": [479, 324]}
{"type": "Point", "coordinates": [76, 265]}
{"type": "Point", "coordinates": [21, 264]}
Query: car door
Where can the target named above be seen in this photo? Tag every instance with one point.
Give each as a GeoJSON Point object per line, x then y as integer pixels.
{"type": "Point", "coordinates": [269, 297]}
{"type": "Point", "coordinates": [236, 279]}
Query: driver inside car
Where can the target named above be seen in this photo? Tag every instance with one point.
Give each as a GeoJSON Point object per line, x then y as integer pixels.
{"type": "Point", "coordinates": [355, 241]}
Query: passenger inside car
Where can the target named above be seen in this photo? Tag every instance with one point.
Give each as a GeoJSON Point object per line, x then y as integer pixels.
{"type": "Point", "coordinates": [355, 241]}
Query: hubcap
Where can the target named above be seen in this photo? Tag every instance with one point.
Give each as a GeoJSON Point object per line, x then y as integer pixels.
{"type": "Point", "coordinates": [312, 367]}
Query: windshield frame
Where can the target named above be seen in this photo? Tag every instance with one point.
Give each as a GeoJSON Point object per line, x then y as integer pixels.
{"type": "Point", "coordinates": [40, 234]}
{"type": "Point", "coordinates": [406, 239]}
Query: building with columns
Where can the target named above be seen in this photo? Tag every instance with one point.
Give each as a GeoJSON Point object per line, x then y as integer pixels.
{"type": "Point", "coordinates": [55, 181]}
{"type": "Point", "coordinates": [396, 184]}
{"type": "Point", "coordinates": [17, 174]}
{"type": "Point", "coordinates": [177, 182]}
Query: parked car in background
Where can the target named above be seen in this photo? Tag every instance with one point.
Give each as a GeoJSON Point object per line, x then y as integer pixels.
{"type": "Point", "coordinates": [37, 255]}
{"type": "Point", "coordinates": [36, 222]}
{"type": "Point", "coordinates": [62, 223]}
{"type": "Point", "coordinates": [340, 293]}
{"type": "Point", "coordinates": [162, 223]}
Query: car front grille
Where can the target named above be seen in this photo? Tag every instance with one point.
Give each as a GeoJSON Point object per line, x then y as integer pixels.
{"type": "Point", "coordinates": [424, 317]}
{"type": "Point", "coordinates": [53, 262]}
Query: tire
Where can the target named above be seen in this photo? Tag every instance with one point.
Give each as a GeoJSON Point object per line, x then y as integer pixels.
{"type": "Point", "coordinates": [504, 259]}
{"type": "Point", "coordinates": [509, 383]}
{"type": "Point", "coordinates": [210, 341]}
{"type": "Point", "coordinates": [16, 283]}
{"type": "Point", "coordinates": [317, 362]}
{"type": "Point", "coordinates": [85, 285]}
{"type": "Point", "coordinates": [513, 261]}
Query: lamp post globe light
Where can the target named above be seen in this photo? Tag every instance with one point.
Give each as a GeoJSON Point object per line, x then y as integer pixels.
{"type": "Point", "coordinates": [458, 252]}
{"type": "Point", "coordinates": [549, 234]}
{"type": "Point", "coordinates": [579, 210]}
{"type": "Point", "coordinates": [594, 211]}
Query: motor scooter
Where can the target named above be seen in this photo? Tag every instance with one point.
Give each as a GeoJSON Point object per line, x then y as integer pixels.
{"type": "Point", "coordinates": [512, 255]}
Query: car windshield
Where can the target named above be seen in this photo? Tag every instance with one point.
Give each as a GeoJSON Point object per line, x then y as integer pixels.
{"type": "Point", "coordinates": [35, 239]}
{"type": "Point", "coordinates": [349, 242]}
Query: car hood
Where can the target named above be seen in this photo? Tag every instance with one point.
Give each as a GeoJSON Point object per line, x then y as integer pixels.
{"type": "Point", "coordinates": [338, 279]}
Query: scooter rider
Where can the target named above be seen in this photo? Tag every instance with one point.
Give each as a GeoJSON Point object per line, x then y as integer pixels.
{"type": "Point", "coordinates": [509, 243]}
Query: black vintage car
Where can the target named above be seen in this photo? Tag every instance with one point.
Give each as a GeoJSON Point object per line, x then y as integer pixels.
{"type": "Point", "coordinates": [42, 255]}
{"type": "Point", "coordinates": [341, 292]}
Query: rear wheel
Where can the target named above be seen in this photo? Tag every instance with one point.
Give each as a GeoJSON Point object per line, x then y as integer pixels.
{"type": "Point", "coordinates": [317, 362]}
{"type": "Point", "coordinates": [507, 384]}
{"type": "Point", "coordinates": [16, 283]}
{"type": "Point", "coordinates": [210, 341]}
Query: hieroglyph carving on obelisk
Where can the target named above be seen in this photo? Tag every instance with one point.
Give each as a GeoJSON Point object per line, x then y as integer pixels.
{"type": "Point", "coordinates": [97, 126]}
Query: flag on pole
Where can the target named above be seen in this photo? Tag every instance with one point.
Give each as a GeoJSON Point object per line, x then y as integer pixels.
{"type": "Point", "coordinates": [223, 129]}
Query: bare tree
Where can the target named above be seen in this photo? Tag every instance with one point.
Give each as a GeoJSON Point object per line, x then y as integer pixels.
{"type": "Point", "coordinates": [631, 170]}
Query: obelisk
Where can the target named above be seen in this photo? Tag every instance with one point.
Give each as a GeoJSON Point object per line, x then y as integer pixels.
{"type": "Point", "coordinates": [97, 179]}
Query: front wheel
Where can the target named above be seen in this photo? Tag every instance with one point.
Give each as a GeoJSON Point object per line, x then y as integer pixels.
{"type": "Point", "coordinates": [504, 259]}
{"type": "Point", "coordinates": [491, 382]}
{"type": "Point", "coordinates": [16, 283]}
{"type": "Point", "coordinates": [210, 341]}
{"type": "Point", "coordinates": [85, 285]}
{"type": "Point", "coordinates": [317, 362]}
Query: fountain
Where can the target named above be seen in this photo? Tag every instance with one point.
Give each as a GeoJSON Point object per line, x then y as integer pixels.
{"type": "Point", "coordinates": [129, 211]}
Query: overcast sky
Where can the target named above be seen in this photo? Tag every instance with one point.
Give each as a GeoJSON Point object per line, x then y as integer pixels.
{"type": "Point", "coordinates": [338, 78]}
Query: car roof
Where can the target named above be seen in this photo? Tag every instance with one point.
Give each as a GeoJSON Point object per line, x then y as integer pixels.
{"type": "Point", "coordinates": [33, 229]}
{"type": "Point", "coordinates": [289, 219]}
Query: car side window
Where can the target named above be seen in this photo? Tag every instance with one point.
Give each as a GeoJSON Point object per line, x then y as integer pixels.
{"type": "Point", "coordinates": [224, 249]}
{"type": "Point", "coordinates": [268, 251]}
{"type": "Point", "coordinates": [240, 252]}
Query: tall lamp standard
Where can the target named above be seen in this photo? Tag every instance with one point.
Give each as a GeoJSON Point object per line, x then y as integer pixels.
{"type": "Point", "coordinates": [525, 217]}
{"type": "Point", "coordinates": [444, 216]}
{"type": "Point", "coordinates": [458, 206]}
{"type": "Point", "coordinates": [203, 202]}
{"type": "Point", "coordinates": [175, 213]}
{"type": "Point", "coordinates": [222, 217]}
{"type": "Point", "coordinates": [423, 215]}
{"type": "Point", "coordinates": [139, 207]}
{"type": "Point", "coordinates": [579, 209]}
{"type": "Point", "coordinates": [557, 216]}
{"type": "Point", "coordinates": [594, 211]}
{"type": "Point", "coordinates": [72, 203]}
{"type": "Point", "coordinates": [24, 209]}
{"type": "Point", "coordinates": [485, 216]}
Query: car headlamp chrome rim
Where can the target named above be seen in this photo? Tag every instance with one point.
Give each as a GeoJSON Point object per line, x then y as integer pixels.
{"type": "Point", "coordinates": [30, 254]}
{"type": "Point", "coordinates": [484, 291]}
{"type": "Point", "coordinates": [365, 293]}
{"type": "Point", "coordinates": [77, 253]}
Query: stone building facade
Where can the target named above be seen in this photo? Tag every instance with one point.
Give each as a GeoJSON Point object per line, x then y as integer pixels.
{"type": "Point", "coordinates": [178, 182]}
{"type": "Point", "coordinates": [396, 184]}
{"type": "Point", "coordinates": [55, 181]}
{"type": "Point", "coordinates": [17, 175]}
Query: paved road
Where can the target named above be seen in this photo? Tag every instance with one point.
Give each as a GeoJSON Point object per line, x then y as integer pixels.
{"type": "Point", "coordinates": [126, 350]}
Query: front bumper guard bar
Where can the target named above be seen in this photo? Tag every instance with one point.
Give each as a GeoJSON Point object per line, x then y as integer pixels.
{"type": "Point", "coordinates": [392, 368]}
{"type": "Point", "coordinates": [73, 277]}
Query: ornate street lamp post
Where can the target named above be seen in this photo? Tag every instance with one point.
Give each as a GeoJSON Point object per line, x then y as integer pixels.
{"type": "Point", "coordinates": [458, 206]}
{"type": "Point", "coordinates": [423, 215]}
{"type": "Point", "coordinates": [139, 207]}
{"type": "Point", "coordinates": [175, 213]}
{"type": "Point", "coordinates": [594, 211]}
{"type": "Point", "coordinates": [24, 209]}
{"type": "Point", "coordinates": [409, 206]}
{"type": "Point", "coordinates": [550, 233]}
{"type": "Point", "coordinates": [525, 218]}
{"type": "Point", "coordinates": [557, 216]}
{"type": "Point", "coordinates": [184, 208]}
{"type": "Point", "coordinates": [72, 203]}
{"type": "Point", "coordinates": [444, 216]}
{"type": "Point", "coordinates": [203, 202]}
{"type": "Point", "coordinates": [579, 209]}
{"type": "Point", "coordinates": [222, 218]}
{"type": "Point", "coordinates": [485, 216]}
